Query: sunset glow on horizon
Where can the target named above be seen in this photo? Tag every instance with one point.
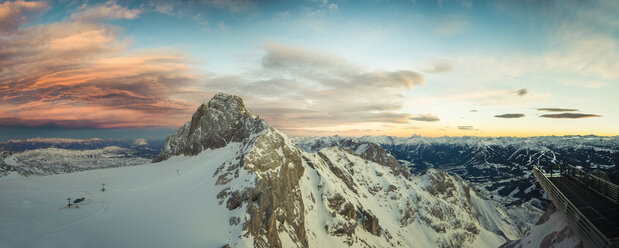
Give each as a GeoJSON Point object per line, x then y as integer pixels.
{"type": "Point", "coordinates": [313, 68]}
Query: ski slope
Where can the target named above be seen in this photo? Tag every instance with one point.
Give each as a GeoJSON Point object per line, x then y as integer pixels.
{"type": "Point", "coordinates": [144, 206]}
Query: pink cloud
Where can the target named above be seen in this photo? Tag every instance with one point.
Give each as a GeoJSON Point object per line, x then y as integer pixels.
{"type": "Point", "coordinates": [12, 14]}
{"type": "Point", "coordinates": [79, 73]}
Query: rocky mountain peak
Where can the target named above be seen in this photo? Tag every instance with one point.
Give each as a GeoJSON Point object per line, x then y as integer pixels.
{"type": "Point", "coordinates": [262, 178]}
{"type": "Point", "coordinates": [225, 103]}
{"type": "Point", "coordinates": [224, 119]}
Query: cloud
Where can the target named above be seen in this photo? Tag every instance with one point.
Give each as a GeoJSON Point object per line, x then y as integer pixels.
{"type": "Point", "coordinates": [521, 92]}
{"type": "Point", "coordinates": [585, 83]}
{"type": "Point", "coordinates": [581, 55]}
{"type": "Point", "coordinates": [106, 11]}
{"type": "Point", "coordinates": [333, 7]}
{"type": "Point", "coordinates": [164, 8]}
{"type": "Point", "coordinates": [583, 38]}
{"type": "Point", "coordinates": [495, 97]}
{"type": "Point", "coordinates": [78, 73]}
{"type": "Point", "coordinates": [569, 115]}
{"type": "Point", "coordinates": [452, 25]}
{"type": "Point", "coordinates": [439, 66]}
{"type": "Point", "coordinates": [13, 14]}
{"type": "Point", "coordinates": [556, 109]}
{"type": "Point", "coordinates": [327, 91]}
{"type": "Point", "coordinates": [328, 69]}
{"type": "Point", "coordinates": [314, 15]}
{"type": "Point", "coordinates": [425, 117]}
{"type": "Point", "coordinates": [466, 128]}
{"type": "Point", "coordinates": [222, 25]}
{"type": "Point", "coordinates": [466, 3]}
{"type": "Point", "coordinates": [510, 116]}
{"type": "Point", "coordinates": [231, 5]}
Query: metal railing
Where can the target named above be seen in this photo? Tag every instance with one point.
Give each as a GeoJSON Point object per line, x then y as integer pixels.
{"type": "Point", "coordinates": [590, 235]}
{"type": "Point", "coordinates": [600, 185]}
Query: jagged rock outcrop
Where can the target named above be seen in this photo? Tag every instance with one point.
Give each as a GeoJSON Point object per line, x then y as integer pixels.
{"type": "Point", "coordinates": [367, 150]}
{"type": "Point", "coordinates": [277, 200]}
{"type": "Point", "coordinates": [5, 167]}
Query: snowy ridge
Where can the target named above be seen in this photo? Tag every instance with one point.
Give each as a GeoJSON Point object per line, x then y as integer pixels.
{"type": "Point", "coordinates": [75, 144]}
{"type": "Point", "coordinates": [360, 203]}
{"type": "Point", "coordinates": [551, 230]}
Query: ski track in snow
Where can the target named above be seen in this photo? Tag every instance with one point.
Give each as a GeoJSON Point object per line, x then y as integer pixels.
{"type": "Point", "coordinates": [100, 212]}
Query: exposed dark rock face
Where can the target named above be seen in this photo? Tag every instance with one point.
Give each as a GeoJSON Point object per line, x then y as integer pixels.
{"type": "Point", "coordinates": [4, 167]}
{"type": "Point", "coordinates": [355, 216]}
{"type": "Point", "coordinates": [278, 201]}
{"type": "Point", "coordinates": [370, 222]}
{"type": "Point", "coordinates": [408, 216]}
{"type": "Point", "coordinates": [379, 155]}
{"type": "Point", "coordinates": [441, 184]}
{"type": "Point", "coordinates": [339, 172]}
{"type": "Point", "coordinates": [556, 237]}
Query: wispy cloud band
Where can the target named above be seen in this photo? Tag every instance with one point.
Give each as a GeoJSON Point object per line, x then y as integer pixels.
{"type": "Point", "coordinates": [569, 116]}
{"type": "Point", "coordinates": [509, 116]}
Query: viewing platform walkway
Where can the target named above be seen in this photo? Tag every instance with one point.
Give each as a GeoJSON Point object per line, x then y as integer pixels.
{"type": "Point", "coordinates": [589, 203]}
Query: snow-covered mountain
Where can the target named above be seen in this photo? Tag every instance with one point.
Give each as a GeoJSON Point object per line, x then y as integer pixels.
{"type": "Point", "coordinates": [500, 167]}
{"type": "Point", "coordinates": [228, 178]}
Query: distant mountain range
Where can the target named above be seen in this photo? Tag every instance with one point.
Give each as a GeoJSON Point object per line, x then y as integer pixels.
{"type": "Point", "coordinates": [47, 156]}
{"type": "Point", "coordinates": [153, 145]}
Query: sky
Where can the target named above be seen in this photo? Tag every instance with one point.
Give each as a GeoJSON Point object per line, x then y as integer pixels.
{"type": "Point", "coordinates": [311, 68]}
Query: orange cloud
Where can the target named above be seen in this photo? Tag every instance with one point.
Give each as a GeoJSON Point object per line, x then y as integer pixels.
{"type": "Point", "coordinates": [78, 73]}
{"type": "Point", "coordinates": [12, 14]}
